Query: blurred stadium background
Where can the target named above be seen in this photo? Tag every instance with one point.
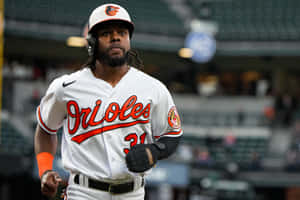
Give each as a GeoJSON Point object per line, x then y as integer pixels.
{"type": "Point", "coordinates": [236, 87]}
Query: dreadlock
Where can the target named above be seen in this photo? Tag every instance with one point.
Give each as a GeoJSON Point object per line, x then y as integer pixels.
{"type": "Point", "coordinates": [135, 60]}
{"type": "Point", "coordinates": [91, 63]}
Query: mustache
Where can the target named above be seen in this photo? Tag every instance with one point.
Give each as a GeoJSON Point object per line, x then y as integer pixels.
{"type": "Point", "coordinates": [116, 46]}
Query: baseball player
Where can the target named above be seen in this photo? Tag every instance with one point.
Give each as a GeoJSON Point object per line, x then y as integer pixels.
{"type": "Point", "coordinates": [117, 121]}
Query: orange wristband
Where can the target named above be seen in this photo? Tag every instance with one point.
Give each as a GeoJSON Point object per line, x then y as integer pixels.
{"type": "Point", "coordinates": [44, 161]}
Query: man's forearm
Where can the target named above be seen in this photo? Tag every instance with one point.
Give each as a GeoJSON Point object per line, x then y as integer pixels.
{"type": "Point", "coordinates": [166, 146]}
{"type": "Point", "coordinates": [44, 142]}
{"type": "Point", "coordinates": [45, 149]}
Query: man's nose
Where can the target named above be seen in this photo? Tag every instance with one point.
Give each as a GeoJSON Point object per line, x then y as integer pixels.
{"type": "Point", "coordinates": [115, 36]}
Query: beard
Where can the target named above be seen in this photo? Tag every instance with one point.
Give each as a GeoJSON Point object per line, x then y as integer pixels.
{"type": "Point", "coordinates": [104, 57]}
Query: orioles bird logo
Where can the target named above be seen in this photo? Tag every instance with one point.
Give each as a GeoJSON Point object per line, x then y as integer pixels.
{"type": "Point", "coordinates": [111, 10]}
{"type": "Point", "coordinates": [173, 118]}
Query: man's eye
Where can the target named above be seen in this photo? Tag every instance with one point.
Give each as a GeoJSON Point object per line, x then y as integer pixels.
{"type": "Point", "coordinates": [122, 33]}
{"type": "Point", "coordinates": [106, 33]}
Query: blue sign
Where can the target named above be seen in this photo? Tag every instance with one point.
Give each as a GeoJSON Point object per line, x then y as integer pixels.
{"type": "Point", "coordinates": [202, 45]}
{"type": "Point", "coordinates": [175, 174]}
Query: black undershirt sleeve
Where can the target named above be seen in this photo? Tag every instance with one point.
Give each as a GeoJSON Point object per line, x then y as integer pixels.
{"type": "Point", "coordinates": [166, 146]}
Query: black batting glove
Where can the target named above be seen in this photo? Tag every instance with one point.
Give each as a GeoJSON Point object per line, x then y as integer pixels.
{"type": "Point", "coordinates": [142, 157]}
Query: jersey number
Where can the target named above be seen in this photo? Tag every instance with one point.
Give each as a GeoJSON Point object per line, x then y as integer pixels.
{"type": "Point", "coordinates": [133, 139]}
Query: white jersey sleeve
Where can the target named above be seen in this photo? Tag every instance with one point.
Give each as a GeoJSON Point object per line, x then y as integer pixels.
{"type": "Point", "coordinates": [165, 119]}
{"type": "Point", "coordinates": [52, 109]}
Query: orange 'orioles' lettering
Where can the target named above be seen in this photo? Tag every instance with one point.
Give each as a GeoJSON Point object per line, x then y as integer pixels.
{"type": "Point", "coordinates": [130, 109]}
{"type": "Point", "coordinates": [94, 113]}
{"type": "Point", "coordinates": [112, 109]}
{"type": "Point", "coordinates": [75, 115]}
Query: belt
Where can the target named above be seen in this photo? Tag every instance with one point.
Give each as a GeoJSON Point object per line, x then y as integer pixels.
{"type": "Point", "coordinates": [113, 188]}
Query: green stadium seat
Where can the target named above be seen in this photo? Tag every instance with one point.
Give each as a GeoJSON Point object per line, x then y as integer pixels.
{"type": "Point", "coordinates": [253, 20]}
{"type": "Point", "coordinates": [13, 142]}
{"type": "Point", "coordinates": [154, 16]}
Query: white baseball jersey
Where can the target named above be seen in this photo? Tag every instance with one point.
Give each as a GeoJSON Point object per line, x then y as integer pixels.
{"type": "Point", "coordinates": [101, 122]}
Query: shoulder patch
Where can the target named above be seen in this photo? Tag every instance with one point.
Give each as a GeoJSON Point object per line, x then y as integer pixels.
{"type": "Point", "coordinates": [173, 118]}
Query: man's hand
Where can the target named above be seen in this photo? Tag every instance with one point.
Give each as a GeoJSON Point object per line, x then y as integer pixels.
{"type": "Point", "coordinates": [49, 183]}
{"type": "Point", "coordinates": [141, 157]}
